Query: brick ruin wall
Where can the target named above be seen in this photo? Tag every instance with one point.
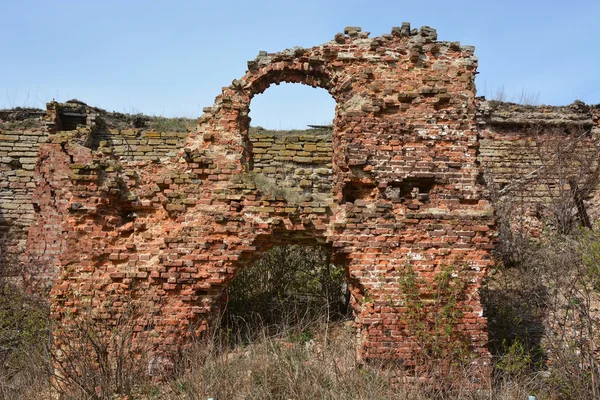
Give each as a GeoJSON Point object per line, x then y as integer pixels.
{"type": "Point", "coordinates": [298, 160]}
{"type": "Point", "coordinates": [21, 134]}
{"type": "Point", "coordinates": [122, 212]}
{"type": "Point", "coordinates": [298, 163]}
{"type": "Point", "coordinates": [519, 145]}
{"type": "Point", "coordinates": [172, 233]}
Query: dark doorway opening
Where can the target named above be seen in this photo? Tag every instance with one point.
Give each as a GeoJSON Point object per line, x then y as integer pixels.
{"type": "Point", "coordinates": [288, 290]}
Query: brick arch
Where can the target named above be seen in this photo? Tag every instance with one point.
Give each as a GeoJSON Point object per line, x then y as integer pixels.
{"type": "Point", "coordinates": [281, 235]}
{"type": "Point", "coordinates": [289, 233]}
{"type": "Point", "coordinates": [318, 78]}
{"type": "Point", "coordinates": [233, 104]}
{"type": "Point", "coordinates": [405, 192]}
{"type": "Point", "coordinates": [255, 82]}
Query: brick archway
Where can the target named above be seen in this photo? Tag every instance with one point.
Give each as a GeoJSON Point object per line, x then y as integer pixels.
{"type": "Point", "coordinates": [233, 104]}
{"type": "Point", "coordinates": [171, 232]}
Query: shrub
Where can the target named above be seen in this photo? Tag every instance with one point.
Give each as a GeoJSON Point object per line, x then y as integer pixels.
{"type": "Point", "coordinates": [24, 343]}
{"type": "Point", "coordinates": [98, 356]}
{"type": "Point", "coordinates": [286, 286]}
{"type": "Point", "coordinates": [432, 313]}
{"type": "Point", "coordinates": [543, 318]}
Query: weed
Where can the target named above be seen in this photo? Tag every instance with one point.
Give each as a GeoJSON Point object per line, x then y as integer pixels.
{"type": "Point", "coordinates": [270, 187]}
{"type": "Point", "coordinates": [162, 124]}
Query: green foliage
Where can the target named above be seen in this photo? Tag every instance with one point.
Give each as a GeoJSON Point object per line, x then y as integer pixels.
{"type": "Point", "coordinates": [433, 311]}
{"type": "Point", "coordinates": [301, 337]}
{"type": "Point", "coordinates": [287, 286]}
{"type": "Point", "coordinates": [517, 358]}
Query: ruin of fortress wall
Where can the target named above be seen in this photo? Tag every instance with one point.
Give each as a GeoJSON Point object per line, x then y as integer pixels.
{"type": "Point", "coordinates": [519, 149]}
{"type": "Point", "coordinates": [172, 233]}
{"type": "Point", "coordinates": [21, 133]}
{"type": "Point", "coordinates": [169, 218]}
{"type": "Point", "coordinates": [298, 160]}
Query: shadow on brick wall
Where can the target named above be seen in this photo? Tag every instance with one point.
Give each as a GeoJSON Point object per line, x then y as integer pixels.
{"type": "Point", "coordinates": [9, 248]}
{"type": "Point", "coordinates": [4, 230]}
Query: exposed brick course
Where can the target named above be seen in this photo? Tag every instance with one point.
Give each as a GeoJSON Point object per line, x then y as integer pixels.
{"type": "Point", "coordinates": [518, 149]}
{"type": "Point", "coordinates": [169, 218]}
{"type": "Point", "coordinates": [21, 133]}
{"type": "Point", "coordinates": [172, 230]}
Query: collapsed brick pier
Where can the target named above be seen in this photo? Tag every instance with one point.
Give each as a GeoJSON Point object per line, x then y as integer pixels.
{"type": "Point", "coordinates": [168, 219]}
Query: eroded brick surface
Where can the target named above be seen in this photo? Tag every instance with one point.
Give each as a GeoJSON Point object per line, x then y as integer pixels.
{"type": "Point", "coordinates": [21, 133]}
{"type": "Point", "coordinates": [536, 159]}
{"type": "Point", "coordinates": [171, 230]}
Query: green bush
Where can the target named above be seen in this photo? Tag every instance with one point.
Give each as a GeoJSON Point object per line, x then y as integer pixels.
{"type": "Point", "coordinates": [542, 316]}
{"type": "Point", "coordinates": [286, 286]}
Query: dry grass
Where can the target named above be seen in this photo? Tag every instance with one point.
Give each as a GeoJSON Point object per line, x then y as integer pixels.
{"type": "Point", "coordinates": [291, 366]}
{"type": "Point", "coordinates": [270, 187]}
{"type": "Point", "coordinates": [313, 358]}
{"type": "Point", "coordinates": [525, 97]}
{"type": "Point", "coordinates": [24, 344]}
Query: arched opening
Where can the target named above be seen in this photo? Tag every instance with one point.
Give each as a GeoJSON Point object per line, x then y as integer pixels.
{"type": "Point", "coordinates": [291, 280]}
{"type": "Point", "coordinates": [292, 106]}
{"type": "Point", "coordinates": [292, 286]}
{"type": "Point", "coordinates": [289, 289]}
{"type": "Point", "coordinates": [290, 142]}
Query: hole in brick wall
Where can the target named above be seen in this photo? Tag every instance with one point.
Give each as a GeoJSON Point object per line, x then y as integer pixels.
{"type": "Point", "coordinates": [68, 121]}
{"type": "Point", "coordinates": [355, 190]}
{"type": "Point", "coordinates": [469, 202]}
{"type": "Point", "coordinates": [15, 163]}
{"type": "Point", "coordinates": [410, 189]}
{"type": "Point", "coordinates": [290, 143]}
{"type": "Point", "coordinates": [288, 289]}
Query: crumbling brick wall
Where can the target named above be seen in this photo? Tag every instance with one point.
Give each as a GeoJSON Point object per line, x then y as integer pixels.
{"type": "Point", "coordinates": [519, 148]}
{"type": "Point", "coordinates": [128, 137]}
{"type": "Point", "coordinates": [21, 132]}
{"type": "Point", "coordinates": [171, 232]}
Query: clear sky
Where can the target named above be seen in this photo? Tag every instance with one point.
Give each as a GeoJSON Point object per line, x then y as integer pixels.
{"type": "Point", "coordinates": [171, 58]}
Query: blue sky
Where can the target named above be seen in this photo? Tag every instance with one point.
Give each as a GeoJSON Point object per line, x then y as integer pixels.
{"type": "Point", "coordinates": [172, 58]}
